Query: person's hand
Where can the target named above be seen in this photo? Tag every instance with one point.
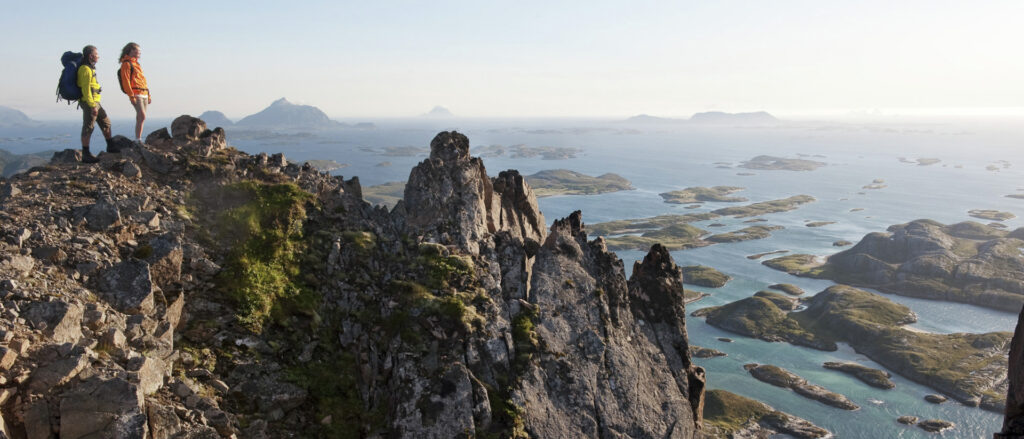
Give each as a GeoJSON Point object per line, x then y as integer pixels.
{"type": "Point", "coordinates": [95, 111]}
{"type": "Point", "coordinates": [150, 101]}
{"type": "Point", "coordinates": [131, 99]}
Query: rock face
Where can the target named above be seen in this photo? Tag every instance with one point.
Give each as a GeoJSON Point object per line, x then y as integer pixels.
{"type": "Point", "coordinates": [1013, 421]}
{"type": "Point", "coordinates": [965, 262]}
{"type": "Point", "coordinates": [184, 289]}
{"type": "Point", "coordinates": [449, 199]}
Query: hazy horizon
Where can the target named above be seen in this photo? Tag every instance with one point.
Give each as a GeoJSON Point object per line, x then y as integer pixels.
{"type": "Point", "coordinates": [569, 59]}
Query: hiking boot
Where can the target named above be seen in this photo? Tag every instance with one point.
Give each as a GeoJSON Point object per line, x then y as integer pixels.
{"type": "Point", "coordinates": [87, 156]}
{"type": "Point", "coordinates": [112, 147]}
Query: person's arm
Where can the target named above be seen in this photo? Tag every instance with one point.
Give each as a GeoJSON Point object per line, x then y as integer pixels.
{"type": "Point", "coordinates": [85, 83]}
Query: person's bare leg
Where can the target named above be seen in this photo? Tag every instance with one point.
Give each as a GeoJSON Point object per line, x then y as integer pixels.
{"type": "Point", "coordinates": [140, 119]}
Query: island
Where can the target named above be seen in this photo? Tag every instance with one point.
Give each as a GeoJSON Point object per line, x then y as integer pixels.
{"type": "Point", "coordinates": [989, 214]}
{"type": "Point", "coordinates": [872, 377]}
{"type": "Point", "coordinates": [565, 182]}
{"type": "Point", "coordinates": [702, 352]}
{"type": "Point", "coordinates": [970, 368]}
{"type": "Point", "coordinates": [761, 255]}
{"type": "Point", "coordinates": [772, 163]}
{"type": "Point", "coordinates": [966, 262]}
{"type": "Point", "coordinates": [747, 233]}
{"type": "Point", "coordinates": [819, 223]}
{"type": "Point", "coordinates": [675, 232]}
{"type": "Point", "coordinates": [790, 289]}
{"type": "Point", "coordinates": [780, 377]}
{"type": "Point", "coordinates": [1017, 196]}
{"type": "Point", "coordinates": [704, 276]}
{"type": "Point", "coordinates": [701, 194]}
{"type": "Point", "coordinates": [765, 207]}
{"type": "Point", "coordinates": [521, 151]}
{"type": "Point", "coordinates": [935, 425]}
{"type": "Point", "coordinates": [877, 183]}
{"type": "Point", "coordinates": [325, 165]}
{"type": "Point", "coordinates": [386, 194]}
{"type": "Point", "coordinates": [727, 414]}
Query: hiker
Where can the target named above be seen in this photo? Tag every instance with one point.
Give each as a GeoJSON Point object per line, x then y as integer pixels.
{"type": "Point", "coordinates": [92, 111]}
{"type": "Point", "coordinates": [133, 83]}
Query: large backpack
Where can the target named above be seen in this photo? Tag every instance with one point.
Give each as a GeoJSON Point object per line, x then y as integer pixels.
{"type": "Point", "coordinates": [67, 88]}
{"type": "Point", "coordinates": [124, 85]}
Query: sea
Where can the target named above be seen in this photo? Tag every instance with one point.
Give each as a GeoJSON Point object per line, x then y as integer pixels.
{"type": "Point", "coordinates": [933, 169]}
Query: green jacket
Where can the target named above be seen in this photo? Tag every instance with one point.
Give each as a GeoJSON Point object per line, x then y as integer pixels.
{"type": "Point", "coordinates": [90, 87]}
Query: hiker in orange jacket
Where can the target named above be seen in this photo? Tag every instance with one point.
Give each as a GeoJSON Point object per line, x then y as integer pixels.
{"type": "Point", "coordinates": [133, 83]}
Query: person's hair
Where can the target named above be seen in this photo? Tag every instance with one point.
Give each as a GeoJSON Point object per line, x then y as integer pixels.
{"type": "Point", "coordinates": [128, 49]}
{"type": "Point", "coordinates": [86, 51]}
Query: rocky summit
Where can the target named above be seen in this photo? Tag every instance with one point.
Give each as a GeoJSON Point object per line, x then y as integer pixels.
{"type": "Point", "coordinates": [184, 289]}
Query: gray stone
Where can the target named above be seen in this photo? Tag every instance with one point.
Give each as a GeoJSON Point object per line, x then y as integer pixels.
{"type": "Point", "coordinates": [21, 236]}
{"type": "Point", "coordinates": [50, 254]}
{"type": "Point", "coordinates": [149, 218]}
{"type": "Point", "coordinates": [7, 357]}
{"type": "Point", "coordinates": [66, 157]}
{"type": "Point", "coordinates": [163, 421]}
{"type": "Point", "coordinates": [9, 190]}
{"type": "Point", "coordinates": [21, 346]}
{"type": "Point", "coordinates": [8, 285]}
{"type": "Point", "coordinates": [21, 264]}
{"type": "Point", "coordinates": [102, 215]}
{"type": "Point", "coordinates": [150, 373]}
{"type": "Point", "coordinates": [131, 170]}
{"type": "Point", "coordinates": [60, 321]}
{"type": "Point", "coordinates": [113, 339]}
{"type": "Point", "coordinates": [57, 373]}
{"type": "Point", "coordinates": [158, 137]}
{"type": "Point", "coordinates": [103, 408]}
{"type": "Point", "coordinates": [165, 261]}
{"type": "Point", "coordinates": [128, 287]}
{"type": "Point", "coordinates": [186, 128]}
{"type": "Point", "coordinates": [37, 420]}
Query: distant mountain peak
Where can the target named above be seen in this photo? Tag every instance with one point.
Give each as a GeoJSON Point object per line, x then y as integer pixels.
{"type": "Point", "coordinates": [438, 111]}
{"type": "Point", "coordinates": [755, 117]}
{"type": "Point", "coordinates": [284, 114]}
{"type": "Point", "coordinates": [10, 117]}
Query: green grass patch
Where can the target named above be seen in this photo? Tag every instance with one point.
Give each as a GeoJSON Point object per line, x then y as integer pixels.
{"type": "Point", "coordinates": [265, 236]}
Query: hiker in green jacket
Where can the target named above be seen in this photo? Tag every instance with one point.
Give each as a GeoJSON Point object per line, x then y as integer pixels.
{"type": "Point", "coordinates": [92, 111]}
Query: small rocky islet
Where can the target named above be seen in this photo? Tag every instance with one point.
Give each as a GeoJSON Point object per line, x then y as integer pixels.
{"type": "Point", "coordinates": [702, 194]}
{"type": "Point", "coordinates": [966, 262]}
{"type": "Point", "coordinates": [727, 414]}
{"type": "Point", "coordinates": [871, 324]}
{"type": "Point", "coordinates": [676, 232]}
{"type": "Point", "coordinates": [780, 377]}
{"type": "Point", "coordinates": [870, 376]}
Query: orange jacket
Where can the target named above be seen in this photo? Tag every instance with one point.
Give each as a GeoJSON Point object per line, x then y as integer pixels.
{"type": "Point", "coordinates": [132, 76]}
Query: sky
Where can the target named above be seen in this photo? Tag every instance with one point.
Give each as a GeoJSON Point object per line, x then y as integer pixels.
{"type": "Point", "coordinates": [362, 59]}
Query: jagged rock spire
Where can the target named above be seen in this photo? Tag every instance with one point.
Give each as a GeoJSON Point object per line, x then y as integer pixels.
{"type": "Point", "coordinates": [450, 199]}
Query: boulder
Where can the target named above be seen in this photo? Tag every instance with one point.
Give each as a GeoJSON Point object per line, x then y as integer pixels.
{"type": "Point", "coordinates": [186, 128]}
{"type": "Point", "coordinates": [21, 264]}
{"type": "Point", "coordinates": [165, 260]}
{"type": "Point", "coordinates": [37, 420]}
{"type": "Point", "coordinates": [103, 408]}
{"type": "Point", "coordinates": [163, 421]}
{"type": "Point", "coordinates": [60, 321]}
{"type": "Point", "coordinates": [158, 137]}
{"type": "Point", "coordinates": [148, 373]}
{"type": "Point", "coordinates": [119, 143]}
{"type": "Point", "coordinates": [66, 157]}
{"type": "Point", "coordinates": [128, 287]}
{"type": "Point", "coordinates": [9, 190]}
{"type": "Point", "coordinates": [102, 215]}
{"type": "Point", "coordinates": [58, 373]}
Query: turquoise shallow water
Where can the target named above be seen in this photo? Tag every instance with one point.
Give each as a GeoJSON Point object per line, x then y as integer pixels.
{"type": "Point", "coordinates": [660, 158]}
